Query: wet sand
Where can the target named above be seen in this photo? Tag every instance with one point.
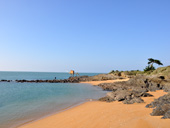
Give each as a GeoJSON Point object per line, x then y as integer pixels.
{"type": "Point", "coordinates": [98, 114]}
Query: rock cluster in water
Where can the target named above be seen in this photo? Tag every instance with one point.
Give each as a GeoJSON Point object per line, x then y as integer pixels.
{"type": "Point", "coordinates": [69, 80]}
{"type": "Point", "coordinates": [76, 79]}
{"type": "Point", "coordinates": [5, 80]}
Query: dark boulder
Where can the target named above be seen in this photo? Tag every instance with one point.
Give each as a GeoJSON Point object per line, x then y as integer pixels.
{"type": "Point", "coordinates": [166, 115]}
{"type": "Point", "coordinates": [160, 110]}
{"type": "Point", "coordinates": [133, 100]}
{"type": "Point", "coordinates": [4, 80]}
{"type": "Point", "coordinates": [126, 96]}
{"type": "Point", "coordinates": [161, 106]}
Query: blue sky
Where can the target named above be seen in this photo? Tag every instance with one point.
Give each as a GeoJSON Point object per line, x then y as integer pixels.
{"type": "Point", "coordinates": [84, 35]}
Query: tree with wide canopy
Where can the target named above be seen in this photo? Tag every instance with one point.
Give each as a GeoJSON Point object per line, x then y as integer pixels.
{"type": "Point", "coordinates": [152, 61]}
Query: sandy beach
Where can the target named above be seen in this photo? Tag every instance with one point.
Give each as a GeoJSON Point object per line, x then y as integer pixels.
{"type": "Point", "coordinates": [98, 114]}
{"type": "Point", "coordinates": [107, 81]}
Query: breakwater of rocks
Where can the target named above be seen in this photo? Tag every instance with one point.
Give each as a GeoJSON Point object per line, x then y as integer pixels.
{"type": "Point", "coordinates": [75, 79]}
{"type": "Point", "coordinates": [70, 80]}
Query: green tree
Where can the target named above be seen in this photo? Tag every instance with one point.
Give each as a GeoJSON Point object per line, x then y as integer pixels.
{"type": "Point", "coordinates": [150, 66]}
{"type": "Point", "coordinates": [152, 61]}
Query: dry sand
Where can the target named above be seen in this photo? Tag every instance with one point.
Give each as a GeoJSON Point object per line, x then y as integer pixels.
{"type": "Point", "coordinates": [98, 114]}
{"type": "Point", "coordinates": [107, 81]}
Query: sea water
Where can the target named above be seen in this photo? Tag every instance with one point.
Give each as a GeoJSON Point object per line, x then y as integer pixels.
{"type": "Point", "coordinates": [24, 102]}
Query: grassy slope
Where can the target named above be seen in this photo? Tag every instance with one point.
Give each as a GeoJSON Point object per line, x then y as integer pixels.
{"type": "Point", "coordinates": [164, 71]}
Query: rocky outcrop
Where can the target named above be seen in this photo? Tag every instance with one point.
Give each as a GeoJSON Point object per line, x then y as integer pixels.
{"type": "Point", "coordinates": [162, 71]}
{"type": "Point", "coordinates": [126, 96]}
{"type": "Point", "coordinates": [139, 83]}
{"type": "Point", "coordinates": [100, 77]}
{"type": "Point", "coordinates": [131, 91]}
{"type": "Point", "coordinates": [161, 106]}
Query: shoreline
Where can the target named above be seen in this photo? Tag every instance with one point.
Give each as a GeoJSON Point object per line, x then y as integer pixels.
{"type": "Point", "coordinates": [93, 83]}
{"type": "Point", "coordinates": [96, 114]}
{"type": "Point", "coordinates": [57, 112]}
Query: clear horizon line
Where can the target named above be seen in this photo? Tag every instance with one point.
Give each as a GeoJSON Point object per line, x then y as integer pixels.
{"type": "Point", "coordinates": [50, 71]}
